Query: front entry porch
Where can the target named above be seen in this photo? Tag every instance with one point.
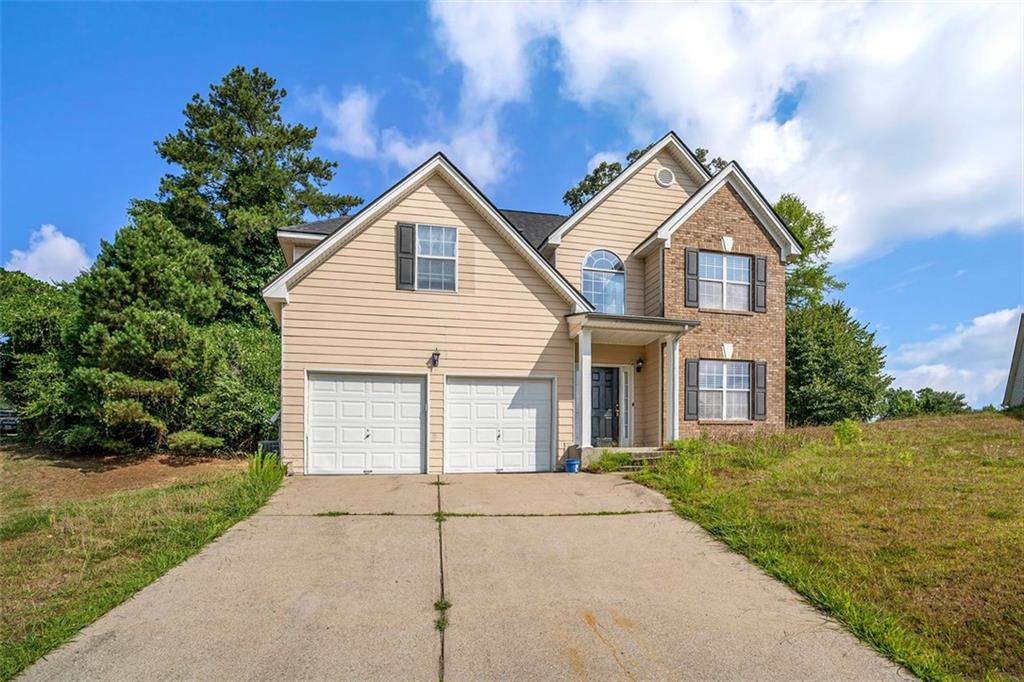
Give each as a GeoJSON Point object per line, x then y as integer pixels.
{"type": "Point", "coordinates": [626, 380]}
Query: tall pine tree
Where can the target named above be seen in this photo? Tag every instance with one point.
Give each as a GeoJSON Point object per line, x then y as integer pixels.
{"type": "Point", "coordinates": [243, 173]}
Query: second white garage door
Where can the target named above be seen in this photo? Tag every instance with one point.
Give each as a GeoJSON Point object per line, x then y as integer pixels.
{"type": "Point", "coordinates": [498, 425]}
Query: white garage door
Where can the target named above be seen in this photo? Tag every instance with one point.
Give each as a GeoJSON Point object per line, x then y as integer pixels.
{"type": "Point", "coordinates": [498, 425]}
{"type": "Point", "coordinates": [365, 424]}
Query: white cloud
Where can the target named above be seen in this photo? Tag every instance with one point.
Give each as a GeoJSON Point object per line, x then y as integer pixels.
{"type": "Point", "coordinates": [51, 256]}
{"type": "Point", "coordinates": [973, 359]}
{"type": "Point", "coordinates": [474, 143]}
{"type": "Point", "coordinates": [351, 122]}
{"type": "Point", "coordinates": [604, 157]}
{"type": "Point", "coordinates": [907, 126]}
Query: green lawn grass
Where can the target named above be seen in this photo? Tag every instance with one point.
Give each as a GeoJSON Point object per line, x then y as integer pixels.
{"type": "Point", "coordinates": [64, 566]}
{"type": "Point", "coordinates": [912, 537]}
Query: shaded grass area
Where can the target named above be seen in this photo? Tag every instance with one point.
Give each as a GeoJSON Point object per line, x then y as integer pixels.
{"type": "Point", "coordinates": [63, 566]}
{"type": "Point", "coordinates": [911, 535]}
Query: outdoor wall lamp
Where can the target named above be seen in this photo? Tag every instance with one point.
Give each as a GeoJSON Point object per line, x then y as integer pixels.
{"type": "Point", "coordinates": [639, 365]}
{"type": "Point", "coordinates": [435, 358]}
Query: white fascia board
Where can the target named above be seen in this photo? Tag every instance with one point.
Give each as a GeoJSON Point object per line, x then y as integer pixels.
{"type": "Point", "coordinates": [788, 247]}
{"type": "Point", "coordinates": [668, 141]}
{"type": "Point", "coordinates": [300, 236]}
{"type": "Point", "coordinates": [278, 288]}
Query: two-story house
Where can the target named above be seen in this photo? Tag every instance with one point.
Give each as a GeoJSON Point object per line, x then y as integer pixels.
{"type": "Point", "coordinates": [433, 332]}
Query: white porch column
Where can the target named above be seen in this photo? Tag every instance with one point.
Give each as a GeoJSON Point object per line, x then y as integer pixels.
{"type": "Point", "coordinates": [585, 391]}
{"type": "Point", "coordinates": [673, 387]}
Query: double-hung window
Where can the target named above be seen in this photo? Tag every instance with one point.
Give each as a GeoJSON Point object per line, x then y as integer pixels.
{"type": "Point", "coordinates": [436, 252]}
{"type": "Point", "coordinates": [724, 390]}
{"type": "Point", "coordinates": [724, 281]}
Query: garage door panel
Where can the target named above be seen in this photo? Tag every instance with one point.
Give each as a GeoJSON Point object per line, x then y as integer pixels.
{"type": "Point", "coordinates": [366, 424]}
{"type": "Point", "coordinates": [353, 437]}
{"type": "Point", "coordinates": [323, 408]}
{"type": "Point", "coordinates": [350, 410]}
{"type": "Point", "coordinates": [499, 424]}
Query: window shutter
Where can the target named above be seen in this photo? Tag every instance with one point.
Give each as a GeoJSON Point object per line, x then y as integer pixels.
{"type": "Point", "coordinates": [405, 256]}
{"type": "Point", "coordinates": [759, 409]}
{"type": "Point", "coordinates": [760, 290]}
{"type": "Point", "coordinates": [692, 393]}
{"type": "Point", "coordinates": [692, 288]}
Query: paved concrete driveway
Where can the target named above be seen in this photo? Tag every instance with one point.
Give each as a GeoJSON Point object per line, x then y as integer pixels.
{"type": "Point", "coordinates": [550, 577]}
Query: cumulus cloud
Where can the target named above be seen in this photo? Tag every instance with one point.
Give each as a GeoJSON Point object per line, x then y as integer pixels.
{"type": "Point", "coordinates": [973, 359]}
{"type": "Point", "coordinates": [350, 120]}
{"type": "Point", "coordinates": [474, 143]}
{"type": "Point", "coordinates": [51, 256]}
{"type": "Point", "coordinates": [605, 157]}
{"type": "Point", "coordinates": [904, 128]}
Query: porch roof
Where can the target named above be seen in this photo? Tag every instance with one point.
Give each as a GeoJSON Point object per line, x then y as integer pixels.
{"type": "Point", "coordinates": [626, 330]}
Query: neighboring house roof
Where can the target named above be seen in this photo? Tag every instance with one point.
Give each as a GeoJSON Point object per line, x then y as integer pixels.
{"type": "Point", "coordinates": [670, 142]}
{"type": "Point", "coordinates": [735, 177]}
{"type": "Point", "coordinates": [1013, 380]}
{"type": "Point", "coordinates": [276, 293]}
{"type": "Point", "coordinates": [534, 226]}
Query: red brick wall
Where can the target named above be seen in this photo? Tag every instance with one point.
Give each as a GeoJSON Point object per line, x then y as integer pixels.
{"type": "Point", "coordinates": [755, 336]}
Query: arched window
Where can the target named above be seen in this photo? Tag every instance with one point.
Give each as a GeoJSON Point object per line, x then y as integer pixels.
{"type": "Point", "coordinates": [604, 282]}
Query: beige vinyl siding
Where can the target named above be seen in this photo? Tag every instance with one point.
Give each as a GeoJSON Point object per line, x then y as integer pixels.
{"type": "Point", "coordinates": [622, 221]}
{"type": "Point", "coordinates": [653, 284]}
{"type": "Point", "coordinates": [505, 319]}
{"type": "Point", "coordinates": [648, 397]}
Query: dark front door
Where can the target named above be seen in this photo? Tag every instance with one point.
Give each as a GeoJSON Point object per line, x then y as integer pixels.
{"type": "Point", "coordinates": [604, 405]}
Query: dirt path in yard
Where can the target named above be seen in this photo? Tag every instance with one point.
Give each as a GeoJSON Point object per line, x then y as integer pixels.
{"type": "Point", "coordinates": [32, 477]}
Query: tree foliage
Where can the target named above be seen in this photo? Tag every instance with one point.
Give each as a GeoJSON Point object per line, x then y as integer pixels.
{"type": "Point", "coordinates": [243, 173]}
{"type": "Point", "coordinates": [598, 179]}
{"type": "Point", "coordinates": [902, 402]}
{"type": "Point", "coordinates": [716, 164]}
{"type": "Point", "coordinates": [808, 279]}
{"type": "Point", "coordinates": [833, 366]}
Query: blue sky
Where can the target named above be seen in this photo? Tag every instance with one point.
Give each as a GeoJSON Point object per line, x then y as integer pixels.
{"type": "Point", "coordinates": [902, 122]}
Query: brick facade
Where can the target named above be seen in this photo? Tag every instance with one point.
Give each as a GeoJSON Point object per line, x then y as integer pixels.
{"type": "Point", "coordinates": [755, 336]}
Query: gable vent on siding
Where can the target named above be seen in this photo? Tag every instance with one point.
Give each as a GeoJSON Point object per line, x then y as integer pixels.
{"type": "Point", "coordinates": [664, 177]}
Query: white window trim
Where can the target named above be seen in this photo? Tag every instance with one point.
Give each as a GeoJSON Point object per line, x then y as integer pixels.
{"type": "Point", "coordinates": [625, 283]}
{"type": "Point", "coordinates": [416, 259]}
{"type": "Point", "coordinates": [725, 390]}
{"type": "Point", "coordinates": [725, 281]}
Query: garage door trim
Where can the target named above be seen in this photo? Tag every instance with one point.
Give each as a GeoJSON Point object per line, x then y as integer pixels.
{"type": "Point", "coordinates": [306, 408]}
{"type": "Point", "coordinates": [550, 378]}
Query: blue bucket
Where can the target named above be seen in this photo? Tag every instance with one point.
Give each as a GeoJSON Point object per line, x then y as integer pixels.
{"type": "Point", "coordinates": [572, 466]}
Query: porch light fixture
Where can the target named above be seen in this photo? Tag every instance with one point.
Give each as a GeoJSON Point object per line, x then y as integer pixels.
{"type": "Point", "coordinates": [639, 365]}
{"type": "Point", "coordinates": [435, 358]}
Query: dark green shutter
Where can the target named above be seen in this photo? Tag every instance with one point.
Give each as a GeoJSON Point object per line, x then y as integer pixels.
{"type": "Point", "coordinates": [692, 287]}
{"type": "Point", "coordinates": [405, 256]}
{"type": "Point", "coordinates": [760, 293]}
{"type": "Point", "coordinates": [692, 392]}
{"type": "Point", "coordinates": [759, 408]}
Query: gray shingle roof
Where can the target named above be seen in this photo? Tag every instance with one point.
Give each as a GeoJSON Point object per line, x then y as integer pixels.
{"type": "Point", "coordinates": [534, 226]}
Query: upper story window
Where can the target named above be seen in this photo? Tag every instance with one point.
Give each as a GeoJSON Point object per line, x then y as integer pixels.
{"type": "Point", "coordinates": [436, 252]}
{"type": "Point", "coordinates": [724, 281]}
{"type": "Point", "coordinates": [724, 390]}
{"type": "Point", "coordinates": [604, 282]}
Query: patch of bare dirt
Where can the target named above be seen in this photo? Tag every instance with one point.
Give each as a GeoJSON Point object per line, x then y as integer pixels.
{"type": "Point", "coordinates": [38, 477]}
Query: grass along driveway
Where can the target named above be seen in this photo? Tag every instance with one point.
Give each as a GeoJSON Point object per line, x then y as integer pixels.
{"type": "Point", "coordinates": [64, 565]}
{"type": "Point", "coordinates": [913, 537]}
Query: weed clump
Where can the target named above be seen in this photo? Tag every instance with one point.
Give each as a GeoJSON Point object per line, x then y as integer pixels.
{"type": "Point", "coordinates": [610, 461]}
{"type": "Point", "coordinates": [847, 432]}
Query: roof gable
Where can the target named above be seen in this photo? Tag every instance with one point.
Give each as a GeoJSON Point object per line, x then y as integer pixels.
{"type": "Point", "coordinates": [276, 293]}
{"type": "Point", "coordinates": [669, 142]}
{"type": "Point", "coordinates": [732, 175]}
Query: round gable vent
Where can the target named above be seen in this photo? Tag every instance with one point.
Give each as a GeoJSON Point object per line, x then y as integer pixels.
{"type": "Point", "coordinates": [664, 177]}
